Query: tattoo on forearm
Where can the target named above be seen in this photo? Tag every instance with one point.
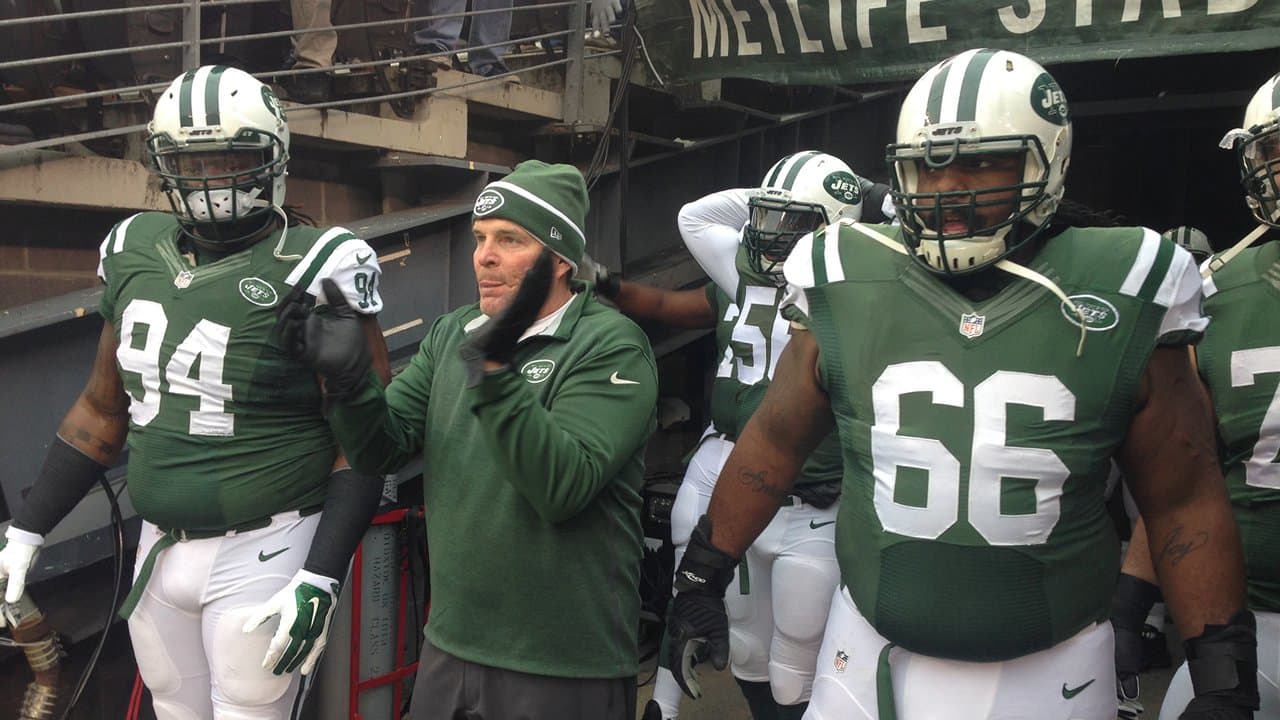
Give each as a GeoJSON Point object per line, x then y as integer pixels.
{"type": "Point", "coordinates": [758, 482]}
{"type": "Point", "coordinates": [1176, 546]}
{"type": "Point", "coordinates": [81, 436]}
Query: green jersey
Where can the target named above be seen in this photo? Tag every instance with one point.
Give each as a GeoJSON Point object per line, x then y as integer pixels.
{"type": "Point", "coordinates": [976, 443]}
{"type": "Point", "coordinates": [751, 335]}
{"type": "Point", "coordinates": [1240, 361]}
{"type": "Point", "coordinates": [224, 428]}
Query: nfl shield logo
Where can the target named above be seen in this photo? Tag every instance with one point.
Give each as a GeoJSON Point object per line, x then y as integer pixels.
{"type": "Point", "coordinates": [971, 324]}
{"type": "Point", "coordinates": [184, 279]}
{"type": "Point", "coordinates": [842, 661]}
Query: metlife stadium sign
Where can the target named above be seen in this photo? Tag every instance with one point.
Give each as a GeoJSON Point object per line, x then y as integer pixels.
{"type": "Point", "coordinates": [861, 41]}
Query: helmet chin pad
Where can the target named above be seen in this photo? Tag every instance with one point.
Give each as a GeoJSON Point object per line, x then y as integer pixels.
{"type": "Point", "coordinates": [205, 206]}
{"type": "Point", "coordinates": [962, 255]}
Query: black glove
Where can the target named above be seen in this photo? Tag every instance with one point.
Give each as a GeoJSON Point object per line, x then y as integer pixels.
{"type": "Point", "coordinates": [606, 282]}
{"type": "Point", "coordinates": [1130, 604]}
{"type": "Point", "coordinates": [697, 626]}
{"type": "Point", "coordinates": [329, 340]}
{"type": "Point", "coordinates": [497, 340]}
{"type": "Point", "coordinates": [1223, 663]}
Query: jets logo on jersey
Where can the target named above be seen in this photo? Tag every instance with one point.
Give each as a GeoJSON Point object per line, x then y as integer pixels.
{"type": "Point", "coordinates": [1098, 314]}
{"type": "Point", "coordinates": [536, 371]}
{"type": "Point", "coordinates": [842, 661]}
{"type": "Point", "coordinates": [488, 201]}
{"type": "Point", "coordinates": [183, 281]}
{"type": "Point", "coordinates": [258, 291]}
{"type": "Point", "coordinates": [971, 324]}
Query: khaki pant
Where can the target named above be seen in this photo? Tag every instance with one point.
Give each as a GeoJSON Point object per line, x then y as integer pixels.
{"type": "Point", "coordinates": [313, 49]}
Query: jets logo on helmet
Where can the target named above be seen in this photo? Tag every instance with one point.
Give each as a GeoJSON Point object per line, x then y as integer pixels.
{"type": "Point", "coordinates": [801, 193]}
{"type": "Point", "coordinates": [1257, 147]}
{"type": "Point", "coordinates": [220, 145]}
{"type": "Point", "coordinates": [980, 103]}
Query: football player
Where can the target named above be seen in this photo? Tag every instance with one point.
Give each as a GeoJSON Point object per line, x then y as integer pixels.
{"type": "Point", "coordinates": [983, 365]}
{"type": "Point", "coordinates": [249, 511]}
{"type": "Point", "coordinates": [1239, 362]}
{"type": "Point", "coordinates": [779, 603]}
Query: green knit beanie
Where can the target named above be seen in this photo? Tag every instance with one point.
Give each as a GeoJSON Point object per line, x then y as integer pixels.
{"type": "Point", "coordinates": [550, 201]}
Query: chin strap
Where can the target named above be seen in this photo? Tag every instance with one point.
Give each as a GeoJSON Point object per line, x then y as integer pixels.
{"type": "Point", "coordinates": [277, 253]}
{"type": "Point", "coordinates": [1217, 261]}
{"type": "Point", "coordinates": [1006, 265]}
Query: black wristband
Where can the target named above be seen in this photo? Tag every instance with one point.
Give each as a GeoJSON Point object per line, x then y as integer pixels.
{"type": "Point", "coordinates": [1223, 661]}
{"type": "Point", "coordinates": [1132, 601]}
{"type": "Point", "coordinates": [350, 503]}
{"type": "Point", "coordinates": [705, 568]}
{"type": "Point", "coordinates": [65, 478]}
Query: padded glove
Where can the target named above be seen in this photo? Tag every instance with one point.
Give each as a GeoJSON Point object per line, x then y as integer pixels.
{"type": "Point", "coordinates": [606, 282]}
{"type": "Point", "coordinates": [1223, 664]}
{"type": "Point", "coordinates": [329, 340]}
{"type": "Point", "coordinates": [1130, 604]}
{"type": "Point", "coordinates": [15, 561]}
{"type": "Point", "coordinates": [497, 339]}
{"type": "Point", "coordinates": [697, 625]}
{"type": "Point", "coordinates": [305, 607]}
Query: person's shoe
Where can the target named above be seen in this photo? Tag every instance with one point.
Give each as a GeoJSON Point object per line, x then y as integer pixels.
{"type": "Point", "coordinates": [1155, 649]}
{"type": "Point", "coordinates": [439, 62]}
{"type": "Point", "coordinates": [309, 89]}
{"type": "Point", "coordinates": [652, 711]}
{"type": "Point", "coordinates": [498, 68]}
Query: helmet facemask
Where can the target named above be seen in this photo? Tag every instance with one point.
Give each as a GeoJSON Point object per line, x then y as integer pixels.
{"type": "Point", "coordinates": [774, 228]}
{"type": "Point", "coordinates": [1259, 156]}
{"type": "Point", "coordinates": [222, 191]}
{"type": "Point", "coordinates": [954, 231]}
{"type": "Point", "coordinates": [980, 105]}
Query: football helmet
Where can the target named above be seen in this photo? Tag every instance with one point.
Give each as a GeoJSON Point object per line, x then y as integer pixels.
{"type": "Point", "coordinates": [1257, 147]}
{"type": "Point", "coordinates": [801, 193]}
{"type": "Point", "coordinates": [1192, 239]}
{"type": "Point", "coordinates": [219, 142]}
{"type": "Point", "coordinates": [979, 103]}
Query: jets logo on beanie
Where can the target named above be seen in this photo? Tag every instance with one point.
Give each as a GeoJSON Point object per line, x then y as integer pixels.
{"type": "Point", "coordinates": [549, 201]}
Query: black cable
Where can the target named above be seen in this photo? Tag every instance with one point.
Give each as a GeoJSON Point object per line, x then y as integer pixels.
{"type": "Point", "coordinates": [117, 527]}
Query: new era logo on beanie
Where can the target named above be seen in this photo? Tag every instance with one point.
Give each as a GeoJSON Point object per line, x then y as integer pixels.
{"type": "Point", "coordinates": [549, 201]}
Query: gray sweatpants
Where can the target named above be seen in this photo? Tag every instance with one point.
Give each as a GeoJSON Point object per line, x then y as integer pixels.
{"type": "Point", "coordinates": [449, 688]}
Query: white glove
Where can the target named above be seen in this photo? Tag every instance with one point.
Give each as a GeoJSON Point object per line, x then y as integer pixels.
{"type": "Point", "coordinates": [603, 13]}
{"type": "Point", "coordinates": [305, 607]}
{"type": "Point", "coordinates": [15, 560]}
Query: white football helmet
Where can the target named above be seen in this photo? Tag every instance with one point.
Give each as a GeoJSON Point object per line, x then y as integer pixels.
{"type": "Point", "coordinates": [1257, 147]}
{"type": "Point", "coordinates": [1193, 239]}
{"type": "Point", "coordinates": [979, 102]}
{"type": "Point", "coordinates": [801, 193]}
{"type": "Point", "coordinates": [219, 142]}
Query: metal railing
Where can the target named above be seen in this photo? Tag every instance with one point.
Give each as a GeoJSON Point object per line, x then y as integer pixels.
{"type": "Point", "coordinates": [571, 54]}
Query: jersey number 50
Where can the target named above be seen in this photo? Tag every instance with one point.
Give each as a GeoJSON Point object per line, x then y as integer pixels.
{"type": "Point", "coordinates": [991, 460]}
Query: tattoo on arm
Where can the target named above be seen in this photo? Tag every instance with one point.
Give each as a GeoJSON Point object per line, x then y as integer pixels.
{"type": "Point", "coordinates": [1176, 547]}
{"type": "Point", "coordinates": [758, 482]}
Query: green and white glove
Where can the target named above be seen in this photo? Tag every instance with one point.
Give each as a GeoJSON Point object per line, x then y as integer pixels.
{"type": "Point", "coordinates": [305, 607]}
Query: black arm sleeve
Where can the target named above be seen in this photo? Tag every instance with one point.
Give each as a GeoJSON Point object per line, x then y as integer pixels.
{"type": "Point", "coordinates": [349, 506]}
{"type": "Point", "coordinates": [65, 478]}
